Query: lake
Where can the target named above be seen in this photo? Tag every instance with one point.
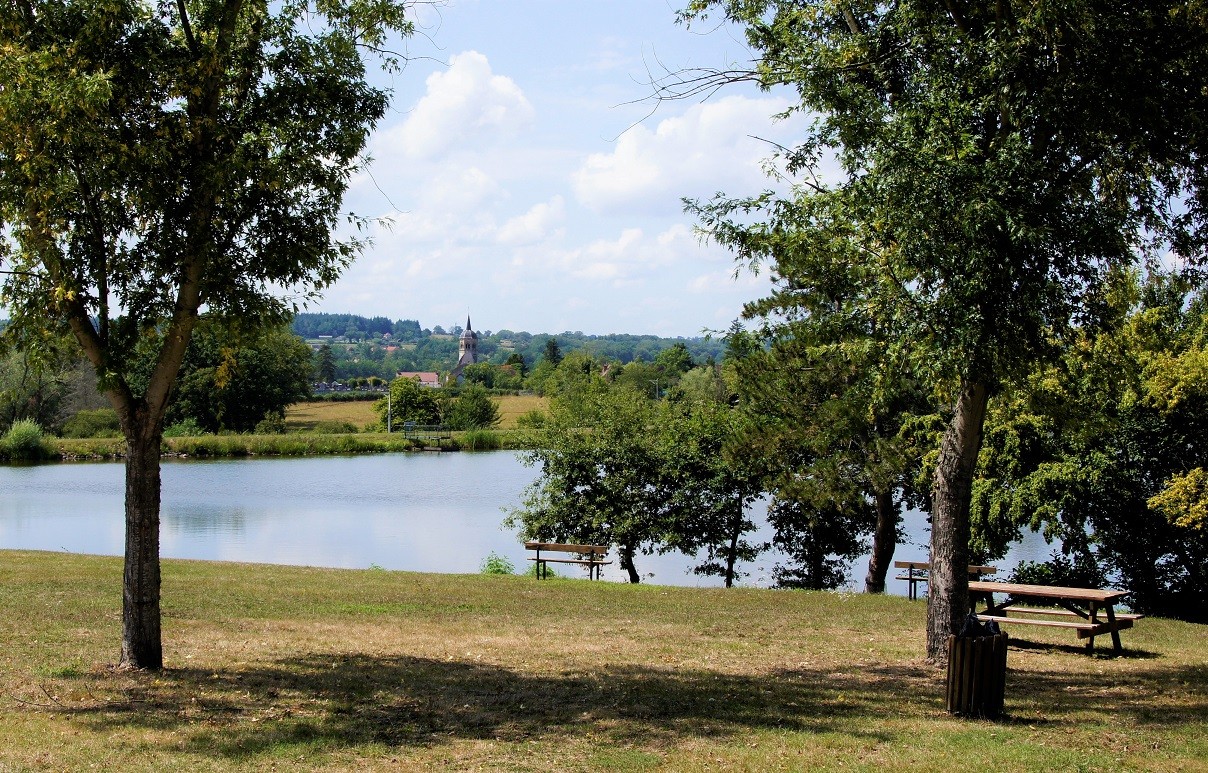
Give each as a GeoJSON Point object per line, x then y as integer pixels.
{"type": "Point", "coordinates": [425, 512]}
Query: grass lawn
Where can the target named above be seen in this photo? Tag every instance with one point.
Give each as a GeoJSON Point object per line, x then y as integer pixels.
{"type": "Point", "coordinates": [303, 417]}
{"type": "Point", "coordinates": [285, 667]}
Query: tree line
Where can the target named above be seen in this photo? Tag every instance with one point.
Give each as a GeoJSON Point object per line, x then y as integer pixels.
{"type": "Point", "coordinates": [1101, 450]}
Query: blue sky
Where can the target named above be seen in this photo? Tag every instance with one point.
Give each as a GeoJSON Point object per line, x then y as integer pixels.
{"type": "Point", "coordinates": [529, 181]}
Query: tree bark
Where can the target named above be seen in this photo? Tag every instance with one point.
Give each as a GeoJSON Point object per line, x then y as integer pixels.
{"type": "Point", "coordinates": [141, 643]}
{"type": "Point", "coordinates": [948, 581]}
{"type": "Point", "coordinates": [884, 543]}
{"type": "Point", "coordinates": [627, 564]}
{"type": "Point", "coordinates": [732, 554]}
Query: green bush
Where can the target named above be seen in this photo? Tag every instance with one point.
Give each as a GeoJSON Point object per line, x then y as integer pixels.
{"type": "Point", "coordinates": [534, 419]}
{"type": "Point", "coordinates": [186, 428]}
{"type": "Point", "coordinates": [272, 424]}
{"type": "Point", "coordinates": [335, 428]}
{"type": "Point", "coordinates": [102, 422]}
{"type": "Point", "coordinates": [24, 442]}
{"type": "Point", "coordinates": [497, 564]}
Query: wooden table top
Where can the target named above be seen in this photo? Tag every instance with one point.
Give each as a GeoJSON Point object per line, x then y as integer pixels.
{"type": "Point", "coordinates": [1104, 595]}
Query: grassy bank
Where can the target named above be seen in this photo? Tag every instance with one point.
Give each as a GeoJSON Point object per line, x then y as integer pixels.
{"type": "Point", "coordinates": [299, 444]}
{"type": "Point", "coordinates": [275, 667]}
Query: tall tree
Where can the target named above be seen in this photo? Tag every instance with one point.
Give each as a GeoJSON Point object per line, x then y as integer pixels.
{"type": "Point", "coordinates": [156, 158]}
{"type": "Point", "coordinates": [996, 160]}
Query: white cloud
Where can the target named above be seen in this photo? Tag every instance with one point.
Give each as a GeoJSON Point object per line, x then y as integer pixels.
{"type": "Point", "coordinates": [536, 225]}
{"type": "Point", "coordinates": [465, 104]}
{"type": "Point", "coordinates": [710, 147]}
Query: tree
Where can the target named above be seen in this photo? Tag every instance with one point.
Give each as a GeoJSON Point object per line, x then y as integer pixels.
{"type": "Point", "coordinates": [552, 353]}
{"type": "Point", "coordinates": [473, 409]}
{"type": "Point", "coordinates": [156, 158]}
{"type": "Point", "coordinates": [409, 402]}
{"type": "Point", "coordinates": [232, 379]}
{"type": "Point", "coordinates": [325, 364]}
{"type": "Point", "coordinates": [996, 161]}
{"type": "Point", "coordinates": [602, 481]}
{"type": "Point", "coordinates": [1090, 447]}
{"type": "Point", "coordinates": [711, 479]}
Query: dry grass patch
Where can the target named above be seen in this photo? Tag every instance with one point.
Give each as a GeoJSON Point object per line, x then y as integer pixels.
{"type": "Point", "coordinates": [332, 669]}
{"type": "Point", "coordinates": [512, 407]}
{"type": "Point", "coordinates": [304, 417]}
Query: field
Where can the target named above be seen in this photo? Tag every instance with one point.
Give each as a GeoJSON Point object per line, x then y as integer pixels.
{"type": "Point", "coordinates": [313, 669]}
{"type": "Point", "coordinates": [304, 417]}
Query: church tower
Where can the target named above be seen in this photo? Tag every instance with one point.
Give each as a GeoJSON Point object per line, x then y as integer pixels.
{"type": "Point", "coordinates": [467, 350]}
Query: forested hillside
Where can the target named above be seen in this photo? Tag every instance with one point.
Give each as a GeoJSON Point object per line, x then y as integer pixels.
{"type": "Point", "coordinates": [363, 347]}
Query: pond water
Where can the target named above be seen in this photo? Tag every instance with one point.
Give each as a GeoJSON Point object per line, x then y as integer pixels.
{"type": "Point", "coordinates": [417, 512]}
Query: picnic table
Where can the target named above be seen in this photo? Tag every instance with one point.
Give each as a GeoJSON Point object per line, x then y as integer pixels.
{"type": "Point", "coordinates": [1089, 611]}
{"type": "Point", "coordinates": [917, 571]}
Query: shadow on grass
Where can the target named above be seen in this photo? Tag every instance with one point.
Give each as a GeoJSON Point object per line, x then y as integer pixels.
{"type": "Point", "coordinates": [404, 701]}
{"type": "Point", "coordinates": [1101, 650]}
{"type": "Point", "coordinates": [1166, 697]}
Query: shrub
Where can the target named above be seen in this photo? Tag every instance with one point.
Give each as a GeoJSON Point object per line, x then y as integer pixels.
{"type": "Point", "coordinates": [102, 422]}
{"type": "Point", "coordinates": [24, 442]}
{"type": "Point", "coordinates": [335, 428]}
{"type": "Point", "coordinates": [186, 428]}
{"type": "Point", "coordinates": [273, 423]}
{"type": "Point", "coordinates": [534, 419]}
{"type": "Point", "coordinates": [497, 564]}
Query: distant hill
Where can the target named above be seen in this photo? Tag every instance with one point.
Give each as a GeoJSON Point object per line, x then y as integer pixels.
{"type": "Point", "coordinates": [434, 345]}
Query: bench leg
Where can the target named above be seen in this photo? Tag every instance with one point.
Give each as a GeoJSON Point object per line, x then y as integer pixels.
{"type": "Point", "coordinates": [1111, 618]}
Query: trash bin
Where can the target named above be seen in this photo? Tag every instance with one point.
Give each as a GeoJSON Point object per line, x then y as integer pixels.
{"type": "Point", "coordinates": [977, 671]}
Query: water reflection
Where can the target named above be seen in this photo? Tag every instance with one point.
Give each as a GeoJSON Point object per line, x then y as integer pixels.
{"type": "Point", "coordinates": [419, 512]}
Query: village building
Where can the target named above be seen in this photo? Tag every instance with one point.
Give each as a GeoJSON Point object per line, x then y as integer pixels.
{"type": "Point", "coordinates": [467, 351]}
{"type": "Point", "coordinates": [425, 378]}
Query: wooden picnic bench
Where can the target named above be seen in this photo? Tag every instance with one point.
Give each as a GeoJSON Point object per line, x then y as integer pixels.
{"type": "Point", "coordinates": [1094, 609]}
{"type": "Point", "coordinates": [591, 556]}
{"type": "Point", "coordinates": [917, 571]}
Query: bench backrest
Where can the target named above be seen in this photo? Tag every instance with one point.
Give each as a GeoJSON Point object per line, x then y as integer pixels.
{"type": "Point", "coordinates": [926, 565]}
{"type": "Point", "coordinates": [567, 548]}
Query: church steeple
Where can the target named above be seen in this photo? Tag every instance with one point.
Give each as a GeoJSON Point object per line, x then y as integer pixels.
{"type": "Point", "coordinates": [467, 349]}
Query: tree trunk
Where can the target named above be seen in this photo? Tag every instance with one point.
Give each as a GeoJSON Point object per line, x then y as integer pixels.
{"type": "Point", "coordinates": [627, 564]}
{"type": "Point", "coordinates": [141, 643]}
{"type": "Point", "coordinates": [884, 543]}
{"type": "Point", "coordinates": [948, 580]}
{"type": "Point", "coordinates": [732, 554]}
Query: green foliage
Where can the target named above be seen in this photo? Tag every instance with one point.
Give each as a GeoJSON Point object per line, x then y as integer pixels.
{"type": "Point", "coordinates": [618, 468]}
{"type": "Point", "coordinates": [534, 419]}
{"type": "Point", "coordinates": [820, 542]}
{"type": "Point", "coordinates": [1079, 571]}
{"type": "Point", "coordinates": [272, 424]}
{"type": "Point", "coordinates": [102, 422]}
{"type": "Point", "coordinates": [497, 564]}
{"type": "Point", "coordinates": [325, 364]}
{"type": "Point", "coordinates": [473, 408]}
{"type": "Point", "coordinates": [334, 428]}
{"type": "Point", "coordinates": [235, 378]}
{"type": "Point", "coordinates": [409, 402]}
{"type": "Point", "coordinates": [1085, 452]}
{"type": "Point", "coordinates": [185, 428]}
{"type": "Point", "coordinates": [24, 442]}
{"type": "Point", "coordinates": [993, 167]}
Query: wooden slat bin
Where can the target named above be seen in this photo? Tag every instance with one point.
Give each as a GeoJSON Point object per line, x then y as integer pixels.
{"type": "Point", "coordinates": [977, 675]}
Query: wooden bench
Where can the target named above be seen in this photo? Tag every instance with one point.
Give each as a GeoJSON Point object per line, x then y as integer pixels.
{"type": "Point", "coordinates": [1084, 604]}
{"type": "Point", "coordinates": [916, 572]}
{"type": "Point", "coordinates": [591, 556]}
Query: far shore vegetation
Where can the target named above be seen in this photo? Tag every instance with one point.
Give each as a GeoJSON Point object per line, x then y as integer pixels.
{"type": "Point", "coordinates": [275, 667]}
{"type": "Point", "coordinates": [316, 427]}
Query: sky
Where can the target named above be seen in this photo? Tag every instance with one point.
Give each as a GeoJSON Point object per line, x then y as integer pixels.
{"type": "Point", "coordinates": [525, 178]}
